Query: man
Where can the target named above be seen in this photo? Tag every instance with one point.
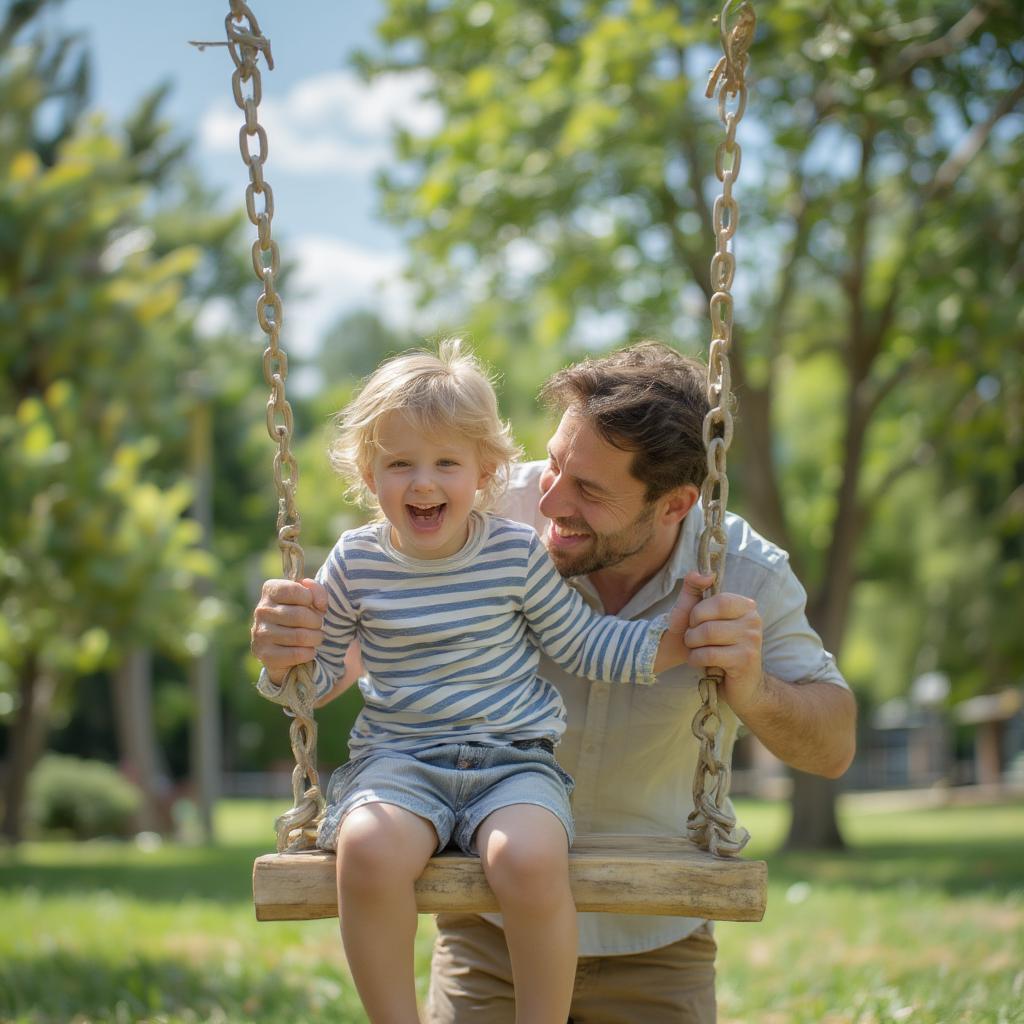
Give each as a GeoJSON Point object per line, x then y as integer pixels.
{"type": "Point", "coordinates": [617, 505]}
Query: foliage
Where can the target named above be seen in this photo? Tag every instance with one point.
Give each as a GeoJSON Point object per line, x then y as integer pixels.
{"type": "Point", "coordinates": [355, 345]}
{"type": "Point", "coordinates": [110, 251]}
{"type": "Point", "coordinates": [569, 188]}
{"type": "Point", "coordinates": [85, 799]}
{"type": "Point", "coordinates": [91, 355]}
{"type": "Point", "coordinates": [918, 916]}
{"type": "Point", "coordinates": [569, 192]}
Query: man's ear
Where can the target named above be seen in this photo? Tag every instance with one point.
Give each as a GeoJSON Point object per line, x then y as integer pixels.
{"type": "Point", "coordinates": [677, 503]}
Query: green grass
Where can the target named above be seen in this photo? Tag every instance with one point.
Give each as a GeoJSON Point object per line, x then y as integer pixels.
{"type": "Point", "coordinates": [922, 921]}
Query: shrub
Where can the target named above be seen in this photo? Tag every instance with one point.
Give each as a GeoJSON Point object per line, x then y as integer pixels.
{"type": "Point", "coordinates": [84, 798]}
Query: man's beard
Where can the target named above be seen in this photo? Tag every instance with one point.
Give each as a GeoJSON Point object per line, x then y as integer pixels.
{"type": "Point", "coordinates": [606, 549]}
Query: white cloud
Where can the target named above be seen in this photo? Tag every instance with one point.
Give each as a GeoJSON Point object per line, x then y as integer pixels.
{"type": "Point", "coordinates": [332, 122]}
{"type": "Point", "coordinates": [334, 277]}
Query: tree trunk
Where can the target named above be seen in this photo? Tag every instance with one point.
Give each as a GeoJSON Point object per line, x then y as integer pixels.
{"type": "Point", "coordinates": [28, 736]}
{"type": "Point", "coordinates": [140, 753]}
{"type": "Point", "coordinates": [757, 465]}
{"type": "Point", "coordinates": [813, 825]}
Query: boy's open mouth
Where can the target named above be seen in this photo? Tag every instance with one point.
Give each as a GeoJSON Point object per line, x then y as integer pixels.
{"type": "Point", "coordinates": [426, 515]}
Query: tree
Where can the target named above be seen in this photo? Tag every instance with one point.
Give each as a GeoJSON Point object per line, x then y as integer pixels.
{"type": "Point", "coordinates": [879, 249]}
{"type": "Point", "coordinates": [104, 258]}
{"type": "Point", "coordinates": [354, 346]}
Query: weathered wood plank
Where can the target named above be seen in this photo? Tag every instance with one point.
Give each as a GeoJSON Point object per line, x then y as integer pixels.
{"type": "Point", "coordinates": [626, 874]}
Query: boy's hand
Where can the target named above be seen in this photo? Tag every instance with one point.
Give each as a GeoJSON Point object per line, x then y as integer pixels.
{"type": "Point", "coordinates": [694, 585]}
{"type": "Point", "coordinates": [726, 631]}
{"type": "Point", "coordinates": [287, 625]}
{"type": "Point", "coordinates": [673, 650]}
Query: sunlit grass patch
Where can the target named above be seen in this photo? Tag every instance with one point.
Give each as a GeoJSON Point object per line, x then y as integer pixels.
{"type": "Point", "coordinates": [922, 921]}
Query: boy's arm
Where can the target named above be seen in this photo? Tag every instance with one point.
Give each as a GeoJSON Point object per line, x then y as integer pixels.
{"type": "Point", "coordinates": [600, 647]}
{"type": "Point", "coordinates": [313, 620]}
{"type": "Point", "coordinates": [287, 624]}
{"type": "Point", "coordinates": [353, 670]}
{"type": "Point", "coordinates": [672, 648]}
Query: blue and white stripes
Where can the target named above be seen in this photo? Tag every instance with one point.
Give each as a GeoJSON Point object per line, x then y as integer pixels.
{"type": "Point", "coordinates": [450, 646]}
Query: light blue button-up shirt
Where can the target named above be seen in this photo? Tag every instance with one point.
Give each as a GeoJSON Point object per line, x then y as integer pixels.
{"type": "Point", "coordinates": [631, 749]}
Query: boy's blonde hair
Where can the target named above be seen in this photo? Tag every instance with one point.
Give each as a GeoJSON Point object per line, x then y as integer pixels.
{"type": "Point", "coordinates": [443, 392]}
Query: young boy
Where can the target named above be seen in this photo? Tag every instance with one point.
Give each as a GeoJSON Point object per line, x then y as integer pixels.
{"type": "Point", "coordinates": [455, 742]}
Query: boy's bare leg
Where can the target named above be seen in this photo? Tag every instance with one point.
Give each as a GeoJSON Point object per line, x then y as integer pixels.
{"type": "Point", "coordinates": [382, 850]}
{"type": "Point", "coordinates": [525, 854]}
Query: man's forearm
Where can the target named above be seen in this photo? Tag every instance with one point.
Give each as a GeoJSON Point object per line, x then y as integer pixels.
{"type": "Point", "coordinates": [810, 726]}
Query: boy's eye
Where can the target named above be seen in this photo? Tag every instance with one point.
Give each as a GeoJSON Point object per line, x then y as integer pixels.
{"type": "Point", "coordinates": [398, 464]}
{"type": "Point", "coordinates": [447, 462]}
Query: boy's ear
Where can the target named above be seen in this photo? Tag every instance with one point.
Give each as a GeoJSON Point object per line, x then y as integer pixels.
{"type": "Point", "coordinates": [371, 484]}
{"type": "Point", "coordinates": [486, 472]}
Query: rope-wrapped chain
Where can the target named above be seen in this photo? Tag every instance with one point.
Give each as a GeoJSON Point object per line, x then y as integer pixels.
{"type": "Point", "coordinates": [711, 826]}
{"type": "Point", "coordinates": [296, 829]}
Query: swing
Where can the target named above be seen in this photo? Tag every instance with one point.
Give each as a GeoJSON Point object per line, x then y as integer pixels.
{"type": "Point", "coordinates": [696, 875]}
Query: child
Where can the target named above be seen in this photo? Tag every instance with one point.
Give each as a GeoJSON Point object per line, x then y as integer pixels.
{"type": "Point", "coordinates": [455, 742]}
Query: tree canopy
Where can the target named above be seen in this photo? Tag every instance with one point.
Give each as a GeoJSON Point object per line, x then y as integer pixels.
{"type": "Point", "coordinates": [568, 195]}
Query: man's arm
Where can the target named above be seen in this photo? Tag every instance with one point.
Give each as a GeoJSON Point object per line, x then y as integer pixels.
{"type": "Point", "coordinates": [809, 725]}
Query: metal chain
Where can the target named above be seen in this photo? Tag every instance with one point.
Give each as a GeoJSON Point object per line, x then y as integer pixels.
{"type": "Point", "coordinates": [296, 829]}
{"type": "Point", "coordinates": [710, 825]}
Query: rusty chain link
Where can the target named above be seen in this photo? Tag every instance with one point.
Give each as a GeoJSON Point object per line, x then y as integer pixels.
{"type": "Point", "coordinates": [296, 829]}
{"type": "Point", "coordinates": [710, 824]}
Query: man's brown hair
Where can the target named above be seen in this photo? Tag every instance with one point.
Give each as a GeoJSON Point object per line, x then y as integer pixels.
{"type": "Point", "coordinates": [646, 399]}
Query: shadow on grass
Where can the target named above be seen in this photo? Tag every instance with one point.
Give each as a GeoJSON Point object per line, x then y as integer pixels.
{"type": "Point", "coordinates": [960, 859]}
{"type": "Point", "coordinates": [220, 874]}
{"type": "Point", "coordinates": [62, 987]}
{"type": "Point", "coordinates": [968, 865]}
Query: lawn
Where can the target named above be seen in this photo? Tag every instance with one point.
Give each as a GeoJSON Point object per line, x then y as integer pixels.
{"type": "Point", "coordinates": [922, 921]}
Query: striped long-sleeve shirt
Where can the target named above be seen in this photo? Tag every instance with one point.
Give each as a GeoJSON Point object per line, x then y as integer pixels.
{"type": "Point", "coordinates": [451, 646]}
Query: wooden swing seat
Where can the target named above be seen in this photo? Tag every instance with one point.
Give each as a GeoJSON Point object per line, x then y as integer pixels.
{"type": "Point", "coordinates": [625, 874]}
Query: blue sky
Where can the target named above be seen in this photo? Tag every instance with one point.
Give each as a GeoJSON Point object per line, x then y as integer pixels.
{"type": "Point", "coordinates": [328, 132]}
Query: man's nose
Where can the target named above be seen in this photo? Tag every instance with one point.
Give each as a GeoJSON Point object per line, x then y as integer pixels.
{"type": "Point", "coordinates": [554, 503]}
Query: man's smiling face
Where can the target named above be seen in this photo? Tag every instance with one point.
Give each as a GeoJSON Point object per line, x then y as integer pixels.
{"type": "Point", "coordinates": [598, 512]}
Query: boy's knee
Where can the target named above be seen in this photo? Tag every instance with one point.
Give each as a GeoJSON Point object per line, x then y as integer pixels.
{"type": "Point", "coordinates": [373, 848]}
{"type": "Point", "coordinates": [520, 868]}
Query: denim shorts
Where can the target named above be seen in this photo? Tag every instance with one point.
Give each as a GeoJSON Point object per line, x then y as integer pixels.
{"type": "Point", "coordinates": [454, 787]}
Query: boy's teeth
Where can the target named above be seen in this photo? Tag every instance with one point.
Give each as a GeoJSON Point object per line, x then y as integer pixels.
{"type": "Point", "coordinates": [425, 511]}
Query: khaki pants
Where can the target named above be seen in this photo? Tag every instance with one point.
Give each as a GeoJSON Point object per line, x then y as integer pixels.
{"type": "Point", "coordinates": [471, 980]}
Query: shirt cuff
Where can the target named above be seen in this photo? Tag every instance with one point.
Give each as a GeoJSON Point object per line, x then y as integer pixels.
{"type": "Point", "coordinates": [649, 651]}
{"type": "Point", "coordinates": [266, 686]}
